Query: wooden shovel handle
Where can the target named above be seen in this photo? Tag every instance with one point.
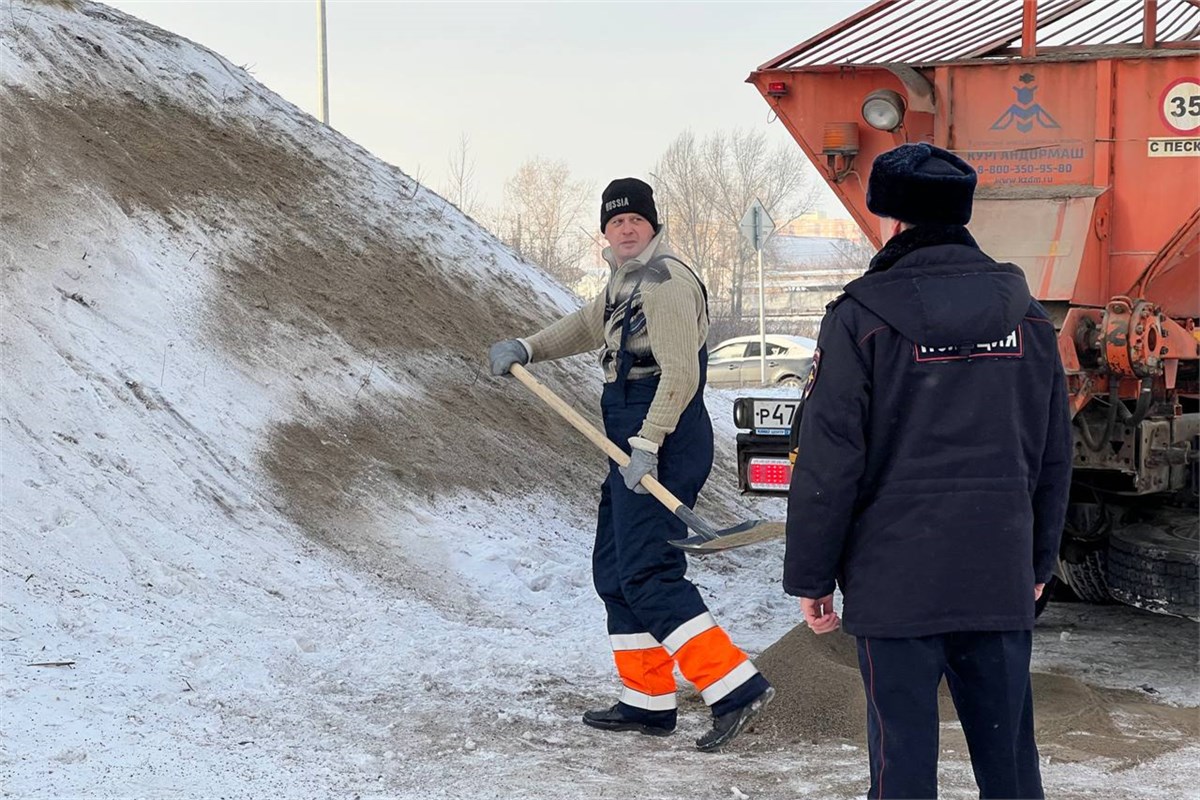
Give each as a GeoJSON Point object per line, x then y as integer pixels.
{"type": "Point", "coordinates": [597, 438]}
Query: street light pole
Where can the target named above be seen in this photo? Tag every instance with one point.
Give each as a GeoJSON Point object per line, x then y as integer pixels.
{"type": "Point", "coordinates": [322, 63]}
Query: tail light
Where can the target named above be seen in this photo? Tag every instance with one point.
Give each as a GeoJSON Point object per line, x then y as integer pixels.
{"type": "Point", "coordinates": [769, 474]}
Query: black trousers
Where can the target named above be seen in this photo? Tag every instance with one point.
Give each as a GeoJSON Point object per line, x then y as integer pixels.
{"type": "Point", "coordinates": [988, 676]}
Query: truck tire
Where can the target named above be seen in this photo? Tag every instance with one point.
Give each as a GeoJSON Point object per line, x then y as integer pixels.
{"type": "Point", "coordinates": [1156, 565]}
{"type": "Point", "coordinates": [1087, 579]}
{"type": "Point", "coordinates": [1083, 559]}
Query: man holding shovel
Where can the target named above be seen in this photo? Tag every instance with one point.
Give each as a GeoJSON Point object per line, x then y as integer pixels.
{"type": "Point", "coordinates": [650, 326]}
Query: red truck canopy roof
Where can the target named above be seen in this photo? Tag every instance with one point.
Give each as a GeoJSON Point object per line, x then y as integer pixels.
{"type": "Point", "coordinates": [922, 32]}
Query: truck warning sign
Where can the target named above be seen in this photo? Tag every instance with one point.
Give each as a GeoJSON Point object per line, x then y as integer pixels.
{"type": "Point", "coordinates": [1179, 107]}
{"type": "Point", "coordinates": [1178, 146]}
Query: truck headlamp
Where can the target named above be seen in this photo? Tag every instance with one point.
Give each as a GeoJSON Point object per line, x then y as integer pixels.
{"type": "Point", "coordinates": [883, 109]}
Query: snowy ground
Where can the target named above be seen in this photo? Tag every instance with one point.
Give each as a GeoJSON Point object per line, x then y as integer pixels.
{"type": "Point", "coordinates": [245, 553]}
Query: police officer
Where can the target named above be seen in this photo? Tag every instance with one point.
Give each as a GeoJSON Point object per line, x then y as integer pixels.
{"type": "Point", "coordinates": [931, 482]}
{"type": "Point", "coordinates": [650, 326]}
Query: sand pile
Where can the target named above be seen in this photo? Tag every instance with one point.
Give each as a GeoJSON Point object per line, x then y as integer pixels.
{"type": "Point", "coordinates": [297, 231]}
{"type": "Point", "coordinates": [297, 235]}
{"type": "Point", "coordinates": [820, 698]}
{"type": "Point", "coordinates": [819, 691]}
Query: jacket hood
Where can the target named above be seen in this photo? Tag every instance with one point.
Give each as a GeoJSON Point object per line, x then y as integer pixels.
{"type": "Point", "coordinates": [943, 295]}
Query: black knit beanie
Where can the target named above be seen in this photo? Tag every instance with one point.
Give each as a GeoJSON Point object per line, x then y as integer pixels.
{"type": "Point", "coordinates": [628, 196]}
{"type": "Point", "coordinates": [922, 185]}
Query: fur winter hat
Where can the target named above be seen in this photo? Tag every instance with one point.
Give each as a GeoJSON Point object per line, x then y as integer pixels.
{"type": "Point", "coordinates": [628, 196]}
{"type": "Point", "coordinates": [922, 185]}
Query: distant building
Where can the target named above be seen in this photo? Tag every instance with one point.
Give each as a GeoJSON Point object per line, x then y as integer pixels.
{"type": "Point", "coordinates": [790, 252]}
{"type": "Point", "coordinates": [807, 263]}
{"type": "Point", "coordinates": [819, 224]}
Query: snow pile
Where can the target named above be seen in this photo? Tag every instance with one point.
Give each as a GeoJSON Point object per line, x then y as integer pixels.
{"type": "Point", "coordinates": [256, 487]}
{"type": "Point", "coordinates": [268, 527]}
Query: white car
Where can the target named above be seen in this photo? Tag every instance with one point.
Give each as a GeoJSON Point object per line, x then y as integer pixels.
{"type": "Point", "coordinates": [737, 362]}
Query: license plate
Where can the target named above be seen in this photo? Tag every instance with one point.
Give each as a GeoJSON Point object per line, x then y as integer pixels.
{"type": "Point", "coordinates": [774, 416]}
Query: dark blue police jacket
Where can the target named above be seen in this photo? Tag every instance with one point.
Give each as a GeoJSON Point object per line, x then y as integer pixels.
{"type": "Point", "coordinates": [934, 445]}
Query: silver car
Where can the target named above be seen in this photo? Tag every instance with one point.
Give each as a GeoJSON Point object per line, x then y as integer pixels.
{"type": "Point", "coordinates": [736, 362]}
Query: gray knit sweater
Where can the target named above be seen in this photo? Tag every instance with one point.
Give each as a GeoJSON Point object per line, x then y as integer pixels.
{"type": "Point", "coordinates": [669, 322]}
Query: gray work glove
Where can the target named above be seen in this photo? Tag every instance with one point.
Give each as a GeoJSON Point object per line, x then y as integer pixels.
{"type": "Point", "coordinates": [504, 354]}
{"type": "Point", "coordinates": [643, 460]}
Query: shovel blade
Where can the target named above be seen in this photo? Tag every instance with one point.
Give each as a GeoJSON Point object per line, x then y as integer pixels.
{"type": "Point", "coordinates": [749, 532]}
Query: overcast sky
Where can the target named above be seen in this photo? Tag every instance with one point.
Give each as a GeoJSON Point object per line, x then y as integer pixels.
{"type": "Point", "coordinates": [603, 86]}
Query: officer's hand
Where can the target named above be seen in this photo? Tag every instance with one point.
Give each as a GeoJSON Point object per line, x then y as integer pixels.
{"type": "Point", "coordinates": [503, 355]}
{"type": "Point", "coordinates": [1038, 588]}
{"type": "Point", "coordinates": [819, 614]}
{"type": "Point", "coordinates": [643, 460]}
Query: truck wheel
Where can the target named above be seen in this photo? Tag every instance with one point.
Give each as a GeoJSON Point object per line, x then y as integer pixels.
{"type": "Point", "coordinates": [1083, 560]}
{"type": "Point", "coordinates": [1088, 579]}
{"type": "Point", "coordinates": [1156, 565]}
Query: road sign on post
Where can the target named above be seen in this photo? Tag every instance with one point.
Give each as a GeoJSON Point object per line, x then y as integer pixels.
{"type": "Point", "coordinates": [757, 226]}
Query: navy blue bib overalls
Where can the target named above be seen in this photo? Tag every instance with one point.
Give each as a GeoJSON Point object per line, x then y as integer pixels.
{"type": "Point", "coordinates": [656, 617]}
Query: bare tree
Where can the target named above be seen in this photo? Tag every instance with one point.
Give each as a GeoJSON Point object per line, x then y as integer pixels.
{"type": "Point", "coordinates": [460, 183]}
{"type": "Point", "coordinates": [541, 215]}
{"type": "Point", "coordinates": [684, 194]}
{"type": "Point", "coordinates": [706, 186]}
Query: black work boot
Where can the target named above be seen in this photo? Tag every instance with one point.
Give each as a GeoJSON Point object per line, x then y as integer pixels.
{"type": "Point", "coordinates": [624, 718]}
{"type": "Point", "coordinates": [727, 726]}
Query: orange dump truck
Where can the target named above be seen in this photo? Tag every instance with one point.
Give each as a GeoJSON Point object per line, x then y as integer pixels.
{"type": "Point", "coordinates": [1082, 118]}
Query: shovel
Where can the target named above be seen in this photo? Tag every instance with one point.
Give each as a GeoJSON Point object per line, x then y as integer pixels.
{"type": "Point", "coordinates": [705, 537]}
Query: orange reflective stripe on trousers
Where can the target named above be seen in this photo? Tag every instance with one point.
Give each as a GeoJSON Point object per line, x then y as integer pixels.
{"type": "Point", "coordinates": [713, 664]}
{"type": "Point", "coordinates": [649, 671]}
{"type": "Point", "coordinates": [646, 670]}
